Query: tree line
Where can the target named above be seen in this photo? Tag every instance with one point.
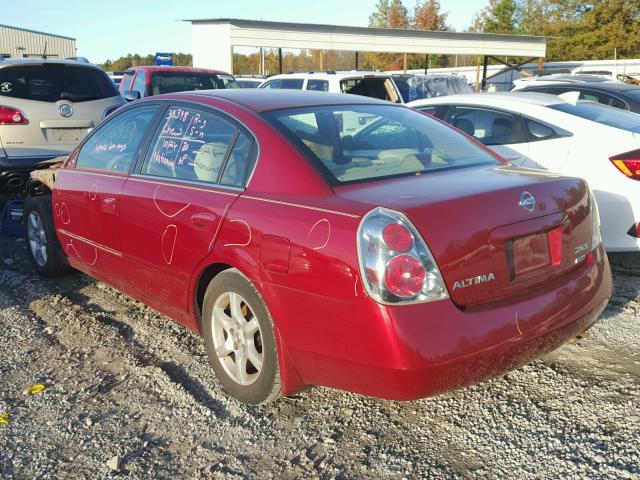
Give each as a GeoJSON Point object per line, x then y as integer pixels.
{"type": "Point", "coordinates": [576, 30]}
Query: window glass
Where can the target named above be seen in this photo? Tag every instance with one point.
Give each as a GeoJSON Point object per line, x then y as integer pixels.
{"type": "Point", "coordinates": [375, 87]}
{"type": "Point", "coordinates": [428, 110]}
{"type": "Point", "coordinates": [170, 82]}
{"type": "Point", "coordinates": [192, 145]}
{"type": "Point", "coordinates": [314, 84]}
{"type": "Point", "coordinates": [127, 78]}
{"type": "Point", "coordinates": [633, 93]}
{"type": "Point", "coordinates": [235, 170]}
{"type": "Point", "coordinates": [114, 145]}
{"type": "Point", "coordinates": [292, 83]}
{"type": "Point", "coordinates": [52, 82]}
{"type": "Point", "coordinates": [488, 126]}
{"type": "Point", "coordinates": [602, 98]}
{"type": "Point", "coordinates": [390, 141]}
{"type": "Point", "coordinates": [538, 131]}
{"type": "Point", "coordinates": [596, 112]}
{"type": "Point", "coordinates": [139, 84]}
{"type": "Point", "coordinates": [272, 84]}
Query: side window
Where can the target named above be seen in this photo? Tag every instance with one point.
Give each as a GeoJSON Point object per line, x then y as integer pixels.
{"type": "Point", "coordinates": [490, 127]}
{"type": "Point", "coordinates": [139, 84]}
{"type": "Point", "coordinates": [428, 110]}
{"type": "Point", "coordinates": [602, 98]}
{"type": "Point", "coordinates": [322, 85]}
{"type": "Point", "coordinates": [272, 84]}
{"type": "Point", "coordinates": [114, 146]}
{"type": "Point", "coordinates": [538, 131]}
{"type": "Point", "coordinates": [195, 145]}
{"type": "Point", "coordinates": [292, 83]}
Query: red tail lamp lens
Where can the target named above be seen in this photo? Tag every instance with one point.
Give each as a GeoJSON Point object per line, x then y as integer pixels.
{"type": "Point", "coordinates": [397, 238]}
{"type": "Point", "coordinates": [628, 163]}
{"type": "Point", "coordinates": [405, 276]}
{"type": "Point", "coordinates": [12, 116]}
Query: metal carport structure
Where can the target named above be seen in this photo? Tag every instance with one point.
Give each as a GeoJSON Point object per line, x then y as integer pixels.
{"type": "Point", "coordinates": [213, 41]}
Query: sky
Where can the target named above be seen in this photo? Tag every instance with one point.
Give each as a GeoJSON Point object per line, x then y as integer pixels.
{"type": "Point", "coordinates": [110, 29]}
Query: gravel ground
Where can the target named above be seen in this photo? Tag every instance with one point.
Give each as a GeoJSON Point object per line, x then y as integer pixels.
{"type": "Point", "coordinates": [129, 394]}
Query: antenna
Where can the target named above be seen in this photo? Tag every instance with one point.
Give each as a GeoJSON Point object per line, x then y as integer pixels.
{"type": "Point", "coordinates": [44, 54]}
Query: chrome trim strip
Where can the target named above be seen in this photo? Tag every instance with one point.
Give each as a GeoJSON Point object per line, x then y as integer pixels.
{"type": "Point", "coordinates": [89, 242]}
{"type": "Point", "coordinates": [191, 185]}
{"type": "Point", "coordinates": [122, 175]}
{"type": "Point", "coordinates": [308, 207]}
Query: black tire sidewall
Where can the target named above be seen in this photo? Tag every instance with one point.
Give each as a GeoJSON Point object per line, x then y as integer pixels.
{"type": "Point", "coordinates": [56, 260]}
{"type": "Point", "coordinates": [263, 388]}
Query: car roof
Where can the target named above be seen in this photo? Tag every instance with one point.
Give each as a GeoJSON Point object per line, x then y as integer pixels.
{"type": "Point", "coordinates": [331, 74]}
{"type": "Point", "coordinates": [519, 96]}
{"type": "Point", "coordinates": [601, 86]}
{"type": "Point", "coordinates": [261, 100]}
{"type": "Point", "coordinates": [42, 61]}
{"type": "Point", "coordinates": [170, 68]}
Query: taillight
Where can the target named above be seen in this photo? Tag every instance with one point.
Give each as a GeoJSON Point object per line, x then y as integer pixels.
{"type": "Point", "coordinates": [396, 264]}
{"type": "Point", "coordinates": [596, 237]}
{"type": "Point", "coordinates": [12, 116]}
{"type": "Point", "coordinates": [628, 163]}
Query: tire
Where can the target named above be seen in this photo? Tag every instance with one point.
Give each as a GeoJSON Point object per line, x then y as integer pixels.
{"type": "Point", "coordinates": [43, 246]}
{"type": "Point", "coordinates": [244, 334]}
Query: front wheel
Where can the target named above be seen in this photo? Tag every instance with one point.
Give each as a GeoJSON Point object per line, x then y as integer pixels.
{"type": "Point", "coordinates": [43, 246]}
{"type": "Point", "coordinates": [238, 334]}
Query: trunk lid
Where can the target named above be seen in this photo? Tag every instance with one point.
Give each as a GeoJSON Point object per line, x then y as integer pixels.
{"type": "Point", "coordinates": [486, 233]}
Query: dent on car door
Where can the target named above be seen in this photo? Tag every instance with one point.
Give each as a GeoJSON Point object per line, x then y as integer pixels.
{"type": "Point", "coordinates": [193, 171]}
{"type": "Point", "coordinates": [87, 193]}
{"type": "Point", "coordinates": [501, 131]}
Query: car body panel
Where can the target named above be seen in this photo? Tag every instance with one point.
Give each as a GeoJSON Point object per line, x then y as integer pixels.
{"type": "Point", "coordinates": [296, 242]}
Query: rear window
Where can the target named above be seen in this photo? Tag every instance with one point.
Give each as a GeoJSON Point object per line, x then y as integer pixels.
{"type": "Point", "coordinates": [613, 117]}
{"type": "Point", "coordinates": [374, 87]}
{"type": "Point", "coordinates": [53, 82]}
{"type": "Point", "coordinates": [170, 82]}
{"type": "Point", "coordinates": [360, 143]}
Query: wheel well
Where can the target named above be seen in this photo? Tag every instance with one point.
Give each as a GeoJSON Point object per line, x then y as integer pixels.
{"type": "Point", "coordinates": [203, 282]}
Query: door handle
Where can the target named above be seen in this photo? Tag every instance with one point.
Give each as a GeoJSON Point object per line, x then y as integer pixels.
{"type": "Point", "coordinates": [108, 205]}
{"type": "Point", "coordinates": [202, 219]}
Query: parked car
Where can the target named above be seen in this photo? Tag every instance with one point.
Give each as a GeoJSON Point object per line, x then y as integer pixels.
{"type": "Point", "coordinates": [249, 82]}
{"type": "Point", "coordinates": [598, 143]}
{"type": "Point", "coordinates": [612, 93]}
{"type": "Point", "coordinates": [416, 87]}
{"type": "Point", "coordinates": [144, 81]}
{"type": "Point", "coordinates": [47, 107]}
{"type": "Point", "coordinates": [400, 261]}
{"type": "Point", "coordinates": [369, 84]}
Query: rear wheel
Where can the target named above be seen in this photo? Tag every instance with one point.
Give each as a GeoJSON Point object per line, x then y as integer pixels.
{"type": "Point", "coordinates": [238, 334]}
{"type": "Point", "coordinates": [43, 246]}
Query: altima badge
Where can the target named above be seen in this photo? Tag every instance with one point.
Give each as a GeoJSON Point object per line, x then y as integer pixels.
{"type": "Point", "coordinates": [65, 110]}
{"type": "Point", "coordinates": [527, 201]}
{"type": "Point", "coordinates": [468, 282]}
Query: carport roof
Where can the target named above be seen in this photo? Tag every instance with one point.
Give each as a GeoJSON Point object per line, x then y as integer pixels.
{"type": "Point", "coordinates": [258, 33]}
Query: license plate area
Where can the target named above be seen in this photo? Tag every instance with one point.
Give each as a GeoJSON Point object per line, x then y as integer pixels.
{"type": "Point", "coordinates": [535, 253]}
{"type": "Point", "coordinates": [66, 135]}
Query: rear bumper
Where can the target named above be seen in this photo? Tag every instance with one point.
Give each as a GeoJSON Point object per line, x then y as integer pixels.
{"type": "Point", "coordinates": [14, 171]}
{"type": "Point", "coordinates": [431, 348]}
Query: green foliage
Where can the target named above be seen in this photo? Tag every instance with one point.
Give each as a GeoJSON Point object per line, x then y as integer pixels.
{"type": "Point", "coordinates": [122, 63]}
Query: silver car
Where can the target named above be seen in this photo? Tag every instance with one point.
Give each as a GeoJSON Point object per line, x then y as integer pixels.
{"type": "Point", "coordinates": [47, 106]}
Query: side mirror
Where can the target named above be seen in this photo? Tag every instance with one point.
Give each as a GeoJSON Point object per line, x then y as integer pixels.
{"type": "Point", "coordinates": [131, 95]}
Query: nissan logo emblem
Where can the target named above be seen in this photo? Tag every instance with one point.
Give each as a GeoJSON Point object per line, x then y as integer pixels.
{"type": "Point", "coordinates": [66, 110]}
{"type": "Point", "coordinates": [527, 201]}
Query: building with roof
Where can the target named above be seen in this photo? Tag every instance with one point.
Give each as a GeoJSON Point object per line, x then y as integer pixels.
{"type": "Point", "coordinates": [213, 41]}
{"type": "Point", "coordinates": [18, 42]}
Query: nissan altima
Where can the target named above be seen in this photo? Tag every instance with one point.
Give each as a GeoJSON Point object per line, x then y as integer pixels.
{"type": "Point", "coordinates": [325, 239]}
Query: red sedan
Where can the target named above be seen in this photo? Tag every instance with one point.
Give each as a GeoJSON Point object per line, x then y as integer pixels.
{"type": "Point", "coordinates": [321, 239]}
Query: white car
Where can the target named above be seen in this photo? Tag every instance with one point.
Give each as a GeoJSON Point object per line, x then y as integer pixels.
{"type": "Point", "coordinates": [368, 83]}
{"type": "Point", "coordinates": [598, 143]}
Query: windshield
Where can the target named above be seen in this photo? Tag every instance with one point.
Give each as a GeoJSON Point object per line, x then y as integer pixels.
{"type": "Point", "coordinates": [613, 117]}
{"type": "Point", "coordinates": [52, 82]}
{"type": "Point", "coordinates": [169, 82]}
{"type": "Point", "coordinates": [355, 143]}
